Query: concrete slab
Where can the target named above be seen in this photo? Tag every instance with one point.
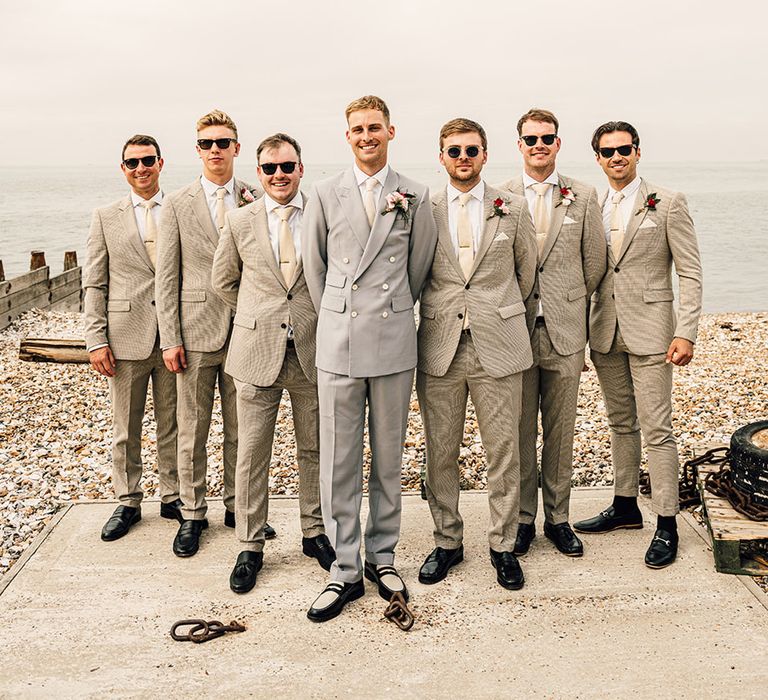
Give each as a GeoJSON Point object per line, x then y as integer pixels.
{"type": "Point", "coordinates": [91, 619]}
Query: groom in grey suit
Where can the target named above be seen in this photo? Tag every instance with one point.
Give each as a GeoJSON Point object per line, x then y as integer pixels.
{"type": "Point", "coordinates": [368, 244]}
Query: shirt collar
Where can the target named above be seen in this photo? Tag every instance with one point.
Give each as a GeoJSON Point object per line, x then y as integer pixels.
{"type": "Point", "coordinates": [478, 191]}
{"type": "Point", "coordinates": [552, 179]}
{"type": "Point", "coordinates": [210, 187]}
{"type": "Point", "coordinates": [297, 201]}
{"type": "Point", "coordinates": [136, 200]}
{"type": "Point", "coordinates": [629, 191]}
{"type": "Point", "coordinates": [361, 177]}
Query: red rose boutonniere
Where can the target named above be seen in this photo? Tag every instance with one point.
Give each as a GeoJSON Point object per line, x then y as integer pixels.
{"type": "Point", "coordinates": [500, 208]}
{"type": "Point", "coordinates": [650, 203]}
{"type": "Point", "coordinates": [567, 196]}
{"type": "Point", "coordinates": [400, 203]}
{"type": "Point", "coordinates": [246, 197]}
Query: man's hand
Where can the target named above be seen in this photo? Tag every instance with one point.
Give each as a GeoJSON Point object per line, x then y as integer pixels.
{"type": "Point", "coordinates": [680, 352]}
{"type": "Point", "coordinates": [103, 361]}
{"type": "Point", "coordinates": [175, 359]}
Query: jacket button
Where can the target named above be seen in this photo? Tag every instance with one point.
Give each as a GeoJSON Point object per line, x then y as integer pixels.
{"type": "Point", "coordinates": [613, 296]}
{"type": "Point", "coordinates": [466, 286]}
{"type": "Point", "coordinates": [541, 269]}
{"type": "Point", "coordinates": [391, 258]}
{"type": "Point", "coordinates": [289, 297]}
{"type": "Point", "coordinates": [385, 286]}
{"type": "Point", "coordinates": [354, 314]}
{"type": "Point", "coordinates": [282, 325]}
{"type": "Point", "coordinates": [385, 314]}
{"type": "Point", "coordinates": [355, 287]}
{"type": "Point", "coordinates": [616, 269]}
{"type": "Point", "coordinates": [346, 260]}
{"type": "Point", "coordinates": [152, 302]}
{"type": "Point", "coordinates": [536, 296]}
{"type": "Point", "coordinates": [461, 315]}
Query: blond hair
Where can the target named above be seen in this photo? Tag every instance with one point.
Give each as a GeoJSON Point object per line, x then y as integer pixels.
{"type": "Point", "coordinates": [216, 118]}
{"type": "Point", "coordinates": [367, 102]}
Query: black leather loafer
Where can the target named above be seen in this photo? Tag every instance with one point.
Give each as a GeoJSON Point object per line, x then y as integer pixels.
{"type": "Point", "coordinates": [564, 539]}
{"type": "Point", "coordinates": [436, 566]}
{"type": "Point", "coordinates": [269, 532]}
{"type": "Point", "coordinates": [508, 571]}
{"type": "Point", "coordinates": [333, 599]}
{"type": "Point", "coordinates": [172, 510]}
{"type": "Point", "coordinates": [120, 522]}
{"type": "Point", "coordinates": [525, 534]}
{"type": "Point", "coordinates": [609, 520]}
{"type": "Point", "coordinates": [187, 540]}
{"type": "Point", "coordinates": [377, 574]}
{"type": "Point", "coordinates": [319, 548]}
{"type": "Point", "coordinates": [229, 518]}
{"type": "Point", "coordinates": [243, 576]}
{"type": "Point", "coordinates": [663, 549]}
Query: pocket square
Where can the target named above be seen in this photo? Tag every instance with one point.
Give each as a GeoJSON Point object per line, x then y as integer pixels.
{"type": "Point", "coordinates": [569, 220]}
{"type": "Point", "coordinates": [648, 223]}
{"type": "Point", "coordinates": [501, 237]}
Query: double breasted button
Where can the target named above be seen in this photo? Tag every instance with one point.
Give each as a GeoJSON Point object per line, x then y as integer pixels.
{"type": "Point", "coordinates": [385, 286]}
{"type": "Point", "coordinates": [461, 315]}
{"type": "Point", "coordinates": [345, 260]}
{"type": "Point", "coordinates": [391, 258]}
{"type": "Point", "coordinates": [616, 269]}
{"type": "Point", "coordinates": [536, 296]}
{"type": "Point", "coordinates": [354, 314]}
{"type": "Point", "coordinates": [355, 287]}
{"type": "Point", "coordinates": [466, 286]}
{"type": "Point", "coordinates": [289, 297]}
{"type": "Point", "coordinates": [541, 269]}
{"type": "Point", "coordinates": [385, 314]}
{"type": "Point", "coordinates": [152, 302]}
{"type": "Point", "coordinates": [283, 325]}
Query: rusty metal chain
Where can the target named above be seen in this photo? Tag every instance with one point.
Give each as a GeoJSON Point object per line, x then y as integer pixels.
{"type": "Point", "coordinates": [721, 484]}
{"type": "Point", "coordinates": [397, 611]}
{"type": "Point", "coordinates": [201, 631]}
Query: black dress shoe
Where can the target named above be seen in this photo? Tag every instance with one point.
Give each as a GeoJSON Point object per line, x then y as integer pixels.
{"type": "Point", "coordinates": [394, 583]}
{"type": "Point", "coordinates": [663, 549]}
{"type": "Point", "coordinates": [525, 534]}
{"type": "Point", "coordinates": [187, 540]}
{"type": "Point", "coordinates": [229, 518]}
{"type": "Point", "coordinates": [320, 548]}
{"type": "Point", "coordinates": [243, 576]}
{"type": "Point", "coordinates": [508, 571]}
{"type": "Point", "coordinates": [172, 510]}
{"type": "Point", "coordinates": [333, 599]}
{"type": "Point", "coordinates": [269, 532]}
{"type": "Point", "coordinates": [610, 520]}
{"type": "Point", "coordinates": [436, 565]}
{"type": "Point", "coordinates": [120, 522]}
{"type": "Point", "coordinates": [564, 538]}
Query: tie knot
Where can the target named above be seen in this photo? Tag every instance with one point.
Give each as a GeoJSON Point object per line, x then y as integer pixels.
{"type": "Point", "coordinates": [464, 197]}
{"type": "Point", "coordinates": [221, 193]}
{"type": "Point", "coordinates": [370, 183]}
{"type": "Point", "coordinates": [148, 203]}
{"type": "Point", "coordinates": [540, 188]}
{"type": "Point", "coordinates": [285, 212]}
{"type": "Point", "coordinates": [617, 197]}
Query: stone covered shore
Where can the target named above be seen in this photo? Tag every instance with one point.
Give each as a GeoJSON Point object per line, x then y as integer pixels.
{"type": "Point", "coordinates": [55, 423]}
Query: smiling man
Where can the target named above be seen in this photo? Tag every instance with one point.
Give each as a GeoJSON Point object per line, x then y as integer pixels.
{"type": "Point", "coordinates": [258, 271]}
{"type": "Point", "coordinates": [367, 242]}
{"type": "Point", "coordinates": [636, 338]}
{"type": "Point", "coordinates": [195, 323]}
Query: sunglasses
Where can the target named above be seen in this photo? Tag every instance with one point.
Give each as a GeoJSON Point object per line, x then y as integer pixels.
{"type": "Point", "coordinates": [623, 151]}
{"type": "Point", "coordinates": [223, 144]}
{"type": "Point", "coordinates": [470, 151]}
{"type": "Point", "coordinates": [146, 161]}
{"type": "Point", "coordinates": [547, 139]}
{"type": "Point", "coordinates": [271, 168]}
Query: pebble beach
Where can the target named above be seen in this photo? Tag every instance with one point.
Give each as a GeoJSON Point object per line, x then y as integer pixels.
{"type": "Point", "coordinates": [55, 424]}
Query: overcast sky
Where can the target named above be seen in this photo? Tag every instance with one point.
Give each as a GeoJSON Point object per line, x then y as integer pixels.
{"type": "Point", "coordinates": [79, 77]}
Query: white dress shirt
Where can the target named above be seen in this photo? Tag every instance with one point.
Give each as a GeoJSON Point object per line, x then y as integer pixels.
{"type": "Point", "coordinates": [294, 221]}
{"type": "Point", "coordinates": [361, 178]}
{"type": "Point", "coordinates": [210, 196]}
{"type": "Point", "coordinates": [530, 195]}
{"type": "Point", "coordinates": [139, 211]}
{"type": "Point", "coordinates": [474, 211]}
{"type": "Point", "coordinates": [626, 206]}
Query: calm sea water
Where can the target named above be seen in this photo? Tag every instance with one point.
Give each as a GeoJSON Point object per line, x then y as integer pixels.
{"type": "Point", "coordinates": [49, 209]}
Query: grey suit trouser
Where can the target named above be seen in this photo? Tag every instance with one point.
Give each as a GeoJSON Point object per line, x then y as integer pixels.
{"type": "Point", "coordinates": [128, 393]}
{"type": "Point", "coordinates": [257, 409]}
{"type": "Point", "coordinates": [443, 403]}
{"type": "Point", "coordinates": [552, 386]}
{"type": "Point", "coordinates": [637, 390]}
{"type": "Point", "coordinates": [342, 418]}
{"type": "Point", "coordinates": [196, 386]}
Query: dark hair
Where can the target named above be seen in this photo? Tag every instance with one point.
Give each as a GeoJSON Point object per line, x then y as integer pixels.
{"type": "Point", "coordinates": [609, 128]}
{"type": "Point", "coordinates": [537, 115]}
{"type": "Point", "coordinates": [463, 126]}
{"type": "Point", "coordinates": [140, 140]}
{"type": "Point", "coordinates": [275, 141]}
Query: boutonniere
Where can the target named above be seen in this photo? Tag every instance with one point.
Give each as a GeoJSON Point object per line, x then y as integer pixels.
{"type": "Point", "coordinates": [650, 203]}
{"type": "Point", "coordinates": [567, 195]}
{"type": "Point", "coordinates": [399, 202]}
{"type": "Point", "coordinates": [500, 208]}
{"type": "Point", "coordinates": [246, 197]}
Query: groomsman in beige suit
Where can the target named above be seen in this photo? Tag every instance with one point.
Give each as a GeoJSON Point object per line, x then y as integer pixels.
{"type": "Point", "coordinates": [473, 341]}
{"type": "Point", "coordinates": [258, 271]}
{"type": "Point", "coordinates": [571, 263]}
{"type": "Point", "coordinates": [368, 239]}
{"type": "Point", "coordinates": [121, 333]}
{"type": "Point", "coordinates": [195, 323]}
{"type": "Point", "coordinates": [636, 337]}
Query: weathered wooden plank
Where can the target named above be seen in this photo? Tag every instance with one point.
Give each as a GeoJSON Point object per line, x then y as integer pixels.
{"type": "Point", "coordinates": [15, 300]}
{"type": "Point", "coordinates": [67, 350]}
{"type": "Point", "coordinates": [66, 302]}
{"type": "Point", "coordinates": [70, 259]}
{"type": "Point", "coordinates": [29, 301]}
{"type": "Point", "coordinates": [27, 280]}
{"type": "Point", "coordinates": [74, 275]}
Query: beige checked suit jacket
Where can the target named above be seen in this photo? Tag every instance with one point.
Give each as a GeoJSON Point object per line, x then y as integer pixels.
{"type": "Point", "coordinates": [189, 311]}
{"type": "Point", "coordinates": [119, 285]}
{"type": "Point", "coordinates": [246, 276]}
{"type": "Point", "coordinates": [637, 288]}
{"type": "Point", "coordinates": [501, 279]}
{"type": "Point", "coordinates": [571, 265]}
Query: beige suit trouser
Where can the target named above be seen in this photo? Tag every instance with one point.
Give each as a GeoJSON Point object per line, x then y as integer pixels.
{"type": "Point", "coordinates": [257, 409]}
{"type": "Point", "coordinates": [443, 403]}
{"type": "Point", "coordinates": [552, 386]}
{"type": "Point", "coordinates": [196, 386]}
{"type": "Point", "coordinates": [637, 390]}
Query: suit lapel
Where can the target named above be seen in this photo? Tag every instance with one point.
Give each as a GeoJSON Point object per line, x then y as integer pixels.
{"type": "Point", "coordinates": [128, 219]}
{"type": "Point", "coordinates": [489, 231]}
{"type": "Point", "coordinates": [515, 186]}
{"type": "Point", "coordinates": [440, 212]}
{"type": "Point", "coordinates": [260, 228]}
{"type": "Point", "coordinates": [351, 203]}
{"type": "Point", "coordinates": [382, 225]}
{"type": "Point", "coordinates": [202, 212]}
{"type": "Point", "coordinates": [638, 214]}
{"type": "Point", "coordinates": [558, 216]}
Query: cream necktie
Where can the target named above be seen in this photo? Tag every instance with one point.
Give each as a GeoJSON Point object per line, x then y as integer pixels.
{"type": "Point", "coordinates": [617, 224]}
{"type": "Point", "coordinates": [150, 230]}
{"type": "Point", "coordinates": [286, 248]}
{"type": "Point", "coordinates": [466, 242]}
{"type": "Point", "coordinates": [220, 210]}
{"type": "Point", "coordinates": [541, 214]}
{"type": "Point", "coordinates": [370, 203]}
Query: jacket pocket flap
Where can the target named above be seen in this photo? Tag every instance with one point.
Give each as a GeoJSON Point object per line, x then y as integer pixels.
{"type": "Point", "coordinates": [658, 294]}
{"type": "Point", "coordinates": [192, 295]}
{"type": "Point", "coordinates": [402, 303]}
{"type": "Point", "coordinates": [335, 280]}
{"type": "Point", "coordinates": [512, 310]}
{"type": "Point", "coordinates": [577, 293]}
{"type": "Point", "coordinates": [333, 303]}
{"type": "Point", "coordinates": [118, 305]}
{"type": "Point", "coordinates": [427, 311]}
{"type": "Point", "coordinates": [245, 321]}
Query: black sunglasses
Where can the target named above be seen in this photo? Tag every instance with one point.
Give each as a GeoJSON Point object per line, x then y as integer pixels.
{"type": "Point", "coordinates": [470, 151]}
{"type": "Point", "coordinates": [146, 161]}
{"type": "Point", "coordinates": [223, 144]}
{"type": "Point", "coordinates": [547, 139]}
{"type": "Point", "coordinates": [623, 150]}
{"type": "Point", "coordinates": [271, 168]}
